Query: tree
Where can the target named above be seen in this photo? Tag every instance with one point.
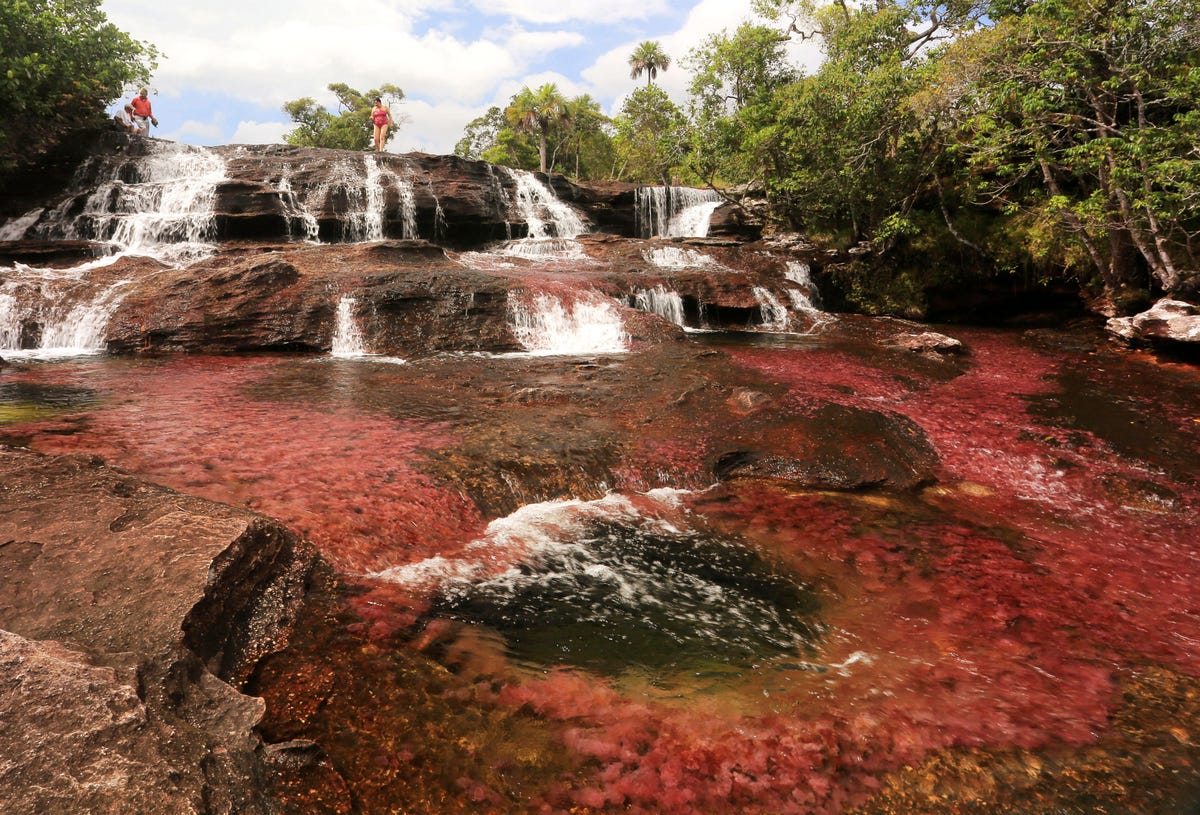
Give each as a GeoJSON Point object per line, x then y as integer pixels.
{"type": "Point", "coordinates": [652, 137]}
{"type": "Point", "coordinates": [648, 58]}
{"type": "Point", "coordinates": [61, 64]}
{"type": "Point", "coordinates": [1081, 117]}
{"type": "Point", "coordinates": [537, 113]}
{"type": "Point", "coordinates": [480, 134]}
{"type": "Point", "coordinates": [350, 128]}
{"type": "Point", "coordinates": [587, 139]}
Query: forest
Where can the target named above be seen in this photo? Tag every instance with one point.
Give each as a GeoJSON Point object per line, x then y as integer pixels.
{"type": "Point", "coordinates": [1054, 141]}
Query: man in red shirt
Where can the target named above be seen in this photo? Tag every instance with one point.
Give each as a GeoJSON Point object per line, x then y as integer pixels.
{"type": "Point", "coordinates": [142, 115]}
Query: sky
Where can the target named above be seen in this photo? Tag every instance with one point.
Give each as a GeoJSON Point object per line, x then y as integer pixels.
{"type": "Point", "coordinates": [228, 66]}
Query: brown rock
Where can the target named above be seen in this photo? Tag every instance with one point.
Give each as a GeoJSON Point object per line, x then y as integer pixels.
{"type": "Point", "coordinates": [156, 598]}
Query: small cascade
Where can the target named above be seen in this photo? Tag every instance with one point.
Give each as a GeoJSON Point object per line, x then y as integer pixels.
{"type": "Point", "coordinates": [540, 208]}
{"type": "Point", "coordinates": [10, 322]}
{"type": "Point", "coordinates": [499, 199]}
{"type": "Point", "coordinates": [296, 212]}
{"type": "Point", "coordinates": [408, 208]}
{"type": "Point", "coordinates": [675, 257]}
{"type": "Point", "coordinates": [439, 215]}
{"type": "Point", "coordinates": [15, 229]}
{"type": "Point", "coordinates": [661, 301]}
{"type": "Point", "coordinates": [545, 325]}
{"type": "Point", "coordinates": [806, 298]}
{"type": "Point", "coordinates": [347, 336]}
{"type": "Point", "coordinates": [545, 249]}
{"type": "Point", "coordinates": [160, 205]}
{"type": "Point", "coordinates": [674, 212]}
{"type": "Point", "coordinates": [72, 324]}
{"type": "Point", "coordinates": [365, 201]}
{"type": "Point", "coordinates": [774, 314]}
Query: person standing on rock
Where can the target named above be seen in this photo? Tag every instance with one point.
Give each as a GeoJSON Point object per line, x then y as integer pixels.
{"type": "Point", "coordinates": [381, 117]}
{"type": "Point", "coordinates": [143, 116]}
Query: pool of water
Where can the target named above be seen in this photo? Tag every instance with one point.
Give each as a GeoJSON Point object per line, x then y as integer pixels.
{"type": "Point", "coordinates": [742, 647]}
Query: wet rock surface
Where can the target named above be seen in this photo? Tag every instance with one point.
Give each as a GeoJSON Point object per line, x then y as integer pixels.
{"type": "Point", "coordinates": [126, 605]}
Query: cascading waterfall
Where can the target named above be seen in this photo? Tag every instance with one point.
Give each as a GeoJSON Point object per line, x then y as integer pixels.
{"type": "Point", "coordinates": [347, 336]}
{"type": "Point", "coordinates": [295, 210]}
{"type": "Point", "coordinates": [158, 205]}
{"type": "Point", "coordinates": [545, 325]}
{"type": "Point", "coordinates": [15, 229]}
{"type": "Point", "coordinates": [365, 202]}
{"type": "Point", "coordinates": [408, 208]}
{"type": "Point", "coordinates": [774, 314]}
{"type": "Point", "coordinates": [806, 298]}
{"type": "Point", "coordinates": [71, 314]}
{"type": "Point", "coordinates": [661, 301]}
{"type": "Point", "coordinates": [674, 212]}
{"type": "Point", "coordinates": [540, 208]}
{"type": "Point", "coordinates": [675, 257]}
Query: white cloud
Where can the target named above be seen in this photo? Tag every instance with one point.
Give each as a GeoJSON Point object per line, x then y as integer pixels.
{"type": "Point", "coordinates": [558, 11]}
{"type": "Point", "coordinates": [260, 132]}
{"type": "Point", "coordinates": [226, 62]}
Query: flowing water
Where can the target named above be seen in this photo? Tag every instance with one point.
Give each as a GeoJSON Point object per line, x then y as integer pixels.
{"type": "Point", "coordinates": [736, 648]}
{"type": "Point", "coordinates": [674, 212]}
{"type": "Point", "coordinates": [555, 608]}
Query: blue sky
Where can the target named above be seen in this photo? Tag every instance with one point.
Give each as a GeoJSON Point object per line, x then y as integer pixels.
{"type": "Point", "coordinates": [229, 66]}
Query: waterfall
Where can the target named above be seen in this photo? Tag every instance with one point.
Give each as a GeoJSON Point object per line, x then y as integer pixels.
{"type": "Point", "coordinates": [10, 322]}
{"type": "Point", "coordinates": [544, 325]}
{"type": "Point", "coordinates": [674, 212]}
{"type": "Point", "coordinates": [540, 208]}
{"type": "Point", "coordinates": [71, 325]}
{"type": "Point", "coordinates": [347, 336]}
{"type": "Point", "coordinates": [674, 257]}
{"type": "Point", "coordinates": [806, 298]}
{"type": "Point", "coordinates": [365, 202]}
{"type": "Point", "coordinates": [15, 229]}
{"type": "Point", "coordinates": [296, 210]}
{"type": "Point", "coordinates": [408, 208]}
{"type": "Point", "coordinates": [661, 301]}
{"type": "Point", "coordinates": [774, 314]}
{"type": "Point", "coordinates": [160, 205]}
{"type": "Point", "coordinates": [545, 249]}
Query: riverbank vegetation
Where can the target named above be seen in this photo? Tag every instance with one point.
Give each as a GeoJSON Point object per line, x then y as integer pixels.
{"type": "Point", "coordinates": [1053, 141]}
{"type": "Point", "coordinates": [61, 63]}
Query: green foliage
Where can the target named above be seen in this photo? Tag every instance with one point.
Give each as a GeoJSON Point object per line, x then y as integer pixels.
{"type": "Point", "coordinates": [577, 135]}
{"type": "Point", "coordinates": [652, 137]}
{"type": "Point", "coordinates": [348, 129]}
{"type": "Point", "coordinates": [1083, 116]}
{"type": "Point", "coordinates": [61, 64]}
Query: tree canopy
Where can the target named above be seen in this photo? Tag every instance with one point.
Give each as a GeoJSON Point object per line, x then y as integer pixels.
{"type": "Point", "coordinates": [350, 128]}
{"type": "Point", "coordinates": [61, 64]}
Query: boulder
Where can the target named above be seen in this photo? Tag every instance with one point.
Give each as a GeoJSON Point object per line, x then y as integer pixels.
{"type": "Point", "coordinates": [130, 615]}
{"type": "Point", "coordinates": [1167, 322]}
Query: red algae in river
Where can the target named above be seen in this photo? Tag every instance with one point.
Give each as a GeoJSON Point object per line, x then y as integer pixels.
{"type": "Point", "coordinates": [346, 479]}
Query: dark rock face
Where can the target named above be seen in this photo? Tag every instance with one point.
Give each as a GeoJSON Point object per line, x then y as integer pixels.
{"type": "Point", "coordinates": [125, 607]}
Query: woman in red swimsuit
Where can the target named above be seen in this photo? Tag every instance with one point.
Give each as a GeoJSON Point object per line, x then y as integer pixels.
{"type": "Point", "coordinates": [381, 117]}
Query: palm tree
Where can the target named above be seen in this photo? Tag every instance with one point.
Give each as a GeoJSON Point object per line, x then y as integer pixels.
{"type": "Point", "coordinates": [538, 112]}
{"type": "Point", "coordinates": [648, 58]}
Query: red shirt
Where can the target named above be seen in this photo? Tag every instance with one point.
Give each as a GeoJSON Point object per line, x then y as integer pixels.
{"type": "Point", "coordinates": [141, 106]}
